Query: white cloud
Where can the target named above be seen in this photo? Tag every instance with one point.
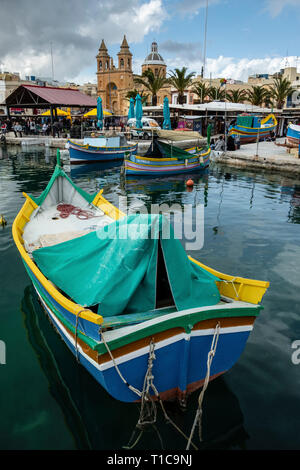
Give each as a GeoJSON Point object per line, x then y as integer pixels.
{"type": "Point", "coordinates": [230, 67]}
{"type": "Point", "coordinates": [75, 28]}
{"type": "Point", "coordinates": [275, 7]}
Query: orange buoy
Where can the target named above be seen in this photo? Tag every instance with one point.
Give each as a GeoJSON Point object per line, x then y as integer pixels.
{"type": "Point", "coordinates": [190, 183]}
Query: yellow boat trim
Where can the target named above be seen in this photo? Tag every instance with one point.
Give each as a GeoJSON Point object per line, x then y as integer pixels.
{"type": "Point", "coordinates": [87, 146]}
{"type": "Point", "coordinates": [17, 230]}
{"type": "Point", "coordinates": [173, 158]}
{"type": "Point", "coordinates": [261, 122]}
{"type": "Point", "coordinates": [269, 117]}
{"type": "Point", "coordinates": [237, 288]}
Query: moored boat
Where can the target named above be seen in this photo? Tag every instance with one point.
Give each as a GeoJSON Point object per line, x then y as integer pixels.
{"type": "Point", "coordinates": [120, 303]}
{"type": "Point", "coordinates": [250, 127]}
{"type": "Point", "coordinates": [164, 159]}
{"type": "Point", "coordinates": [293, 135]}
{"type": "Point", "coordinates": [100, 149]}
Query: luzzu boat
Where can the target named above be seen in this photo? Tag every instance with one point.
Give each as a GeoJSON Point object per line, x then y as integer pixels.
{"type": "Point", "coordinates": [293, 135]}
{"type": "Point", "coordinates": [249, 127]}
{"type": "Point", "coordinates": [164, 159]}
{"type": "Point", "coordinates": [100, 149]}
{"type": "Point", "coordinates": [126, 302]}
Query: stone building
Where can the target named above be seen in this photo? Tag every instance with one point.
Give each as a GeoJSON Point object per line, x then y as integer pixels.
{"type": "Point", "coordinates": [114, 83]}
{"type": "Point", "coordinates": [155, 62]}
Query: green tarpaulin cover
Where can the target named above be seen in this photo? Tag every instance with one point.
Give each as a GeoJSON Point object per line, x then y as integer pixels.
{"type": "Point", "coordinates": [245, 121]}
{"type": "Point", "coordinates": [116, 267]}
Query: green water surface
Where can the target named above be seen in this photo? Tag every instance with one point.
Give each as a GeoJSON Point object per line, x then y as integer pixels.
{"type": "Point", "coordinates": [48, 401]}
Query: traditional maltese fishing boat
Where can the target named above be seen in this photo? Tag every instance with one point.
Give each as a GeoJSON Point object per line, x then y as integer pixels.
{"type": "Point", "coordinates": [100, 149]}
{"type": "Point", "coordinates": [124, 296]}
{"type": "Point", "coordinates": [165, 159]}
{"type": "Point", "coordinates": [293, 135]}
{"type": "Point", "coordinates": [249, 128]}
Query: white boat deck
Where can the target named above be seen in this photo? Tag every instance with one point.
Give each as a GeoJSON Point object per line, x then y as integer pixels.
{"type": "Point", "coordinates": [46, 226]}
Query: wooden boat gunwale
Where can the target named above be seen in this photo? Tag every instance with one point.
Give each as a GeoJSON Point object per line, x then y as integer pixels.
{"type": "Point", "coordinates": [228, 288]}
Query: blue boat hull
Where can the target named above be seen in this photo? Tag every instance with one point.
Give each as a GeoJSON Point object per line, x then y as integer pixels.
{"type": "Point", "coordinates": [86, 153]}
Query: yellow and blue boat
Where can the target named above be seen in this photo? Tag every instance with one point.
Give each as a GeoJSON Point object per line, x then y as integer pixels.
{"type": "Point", "coordinates": [100, 149]}
{"type": "Point", "coordinates": [125, 302]}
{"type": "Point", "coordinates": [250, 127]}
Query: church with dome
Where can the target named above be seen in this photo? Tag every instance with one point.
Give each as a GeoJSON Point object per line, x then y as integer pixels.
{"type": "Point", "coordinates": [115, 82]}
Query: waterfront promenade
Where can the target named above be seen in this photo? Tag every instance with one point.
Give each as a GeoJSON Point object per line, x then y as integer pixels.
{"type": "Point", "coordinates": [271, 156]}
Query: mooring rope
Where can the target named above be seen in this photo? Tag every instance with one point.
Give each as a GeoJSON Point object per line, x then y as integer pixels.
{"type": "Point", "coordinates": [148, 406]}
{"type": "Point", "coordinates": [198, 416]}
{"type": "Point", "coordinates": [67, 209]}
{"type": "Point", "coordinates": [133, 389]}
{"type": "Point", "coordinates": [233, 285]}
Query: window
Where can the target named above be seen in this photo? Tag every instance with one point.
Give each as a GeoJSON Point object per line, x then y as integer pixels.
{"type": "Point", "coordinates": [100, 64]}
{"type": "Point", "coordinates": [122, 63]}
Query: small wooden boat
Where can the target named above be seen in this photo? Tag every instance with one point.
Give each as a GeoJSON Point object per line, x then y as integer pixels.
{"type": "Point", "coordinates": [100, 149]}
{"type": "Point", "coordinates": [293, 135]}
{"type": "Point", "coordinates": [127, 306]}
{"type": "Point", "coordinates": [249, 128]}
{"type": "Point", "coordinates": [164, 159]}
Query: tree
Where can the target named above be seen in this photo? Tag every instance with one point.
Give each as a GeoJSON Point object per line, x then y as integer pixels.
{"type": "Point", "coordinates": [201, 90]}
{"type": "Point", "coordinates": [133, 93]}
{"type": "Point", "coordinates": [257, 95]}
{"type": "Point", "coordinates": [151, 82]}
{"type": "Point", "coordinates": [236, 96]}
{"type": "Point", "coordinates": [280, 90]}
{"type": "Point", "coordinates": [180, 80]}
{"type": "Point", "coordinates": [216, 93]}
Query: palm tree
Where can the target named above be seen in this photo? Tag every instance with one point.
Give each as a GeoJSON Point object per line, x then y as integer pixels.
{"type": "Point", "coordinates": [257, 95]}
{"type": "Point", "coordinates": [216, 93]}
{"type": "Point", "coordinates": [180, 81]}
{"type": "Point", "coordinates": [280, 90]}
{"type": "Point", "coordinates": [151, 82]}
{"type": "Point", "coordinates": [133, 93]}
{"type": "Point", "coordinates": [268, 101]}
{"type": "Point", "coordinates": [236, 96]}
{"type": "Point", "coordinates": [202, 90]}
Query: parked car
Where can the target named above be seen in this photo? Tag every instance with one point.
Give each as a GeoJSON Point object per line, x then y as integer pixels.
{"type": "Point", "coordinates": [145, 132]}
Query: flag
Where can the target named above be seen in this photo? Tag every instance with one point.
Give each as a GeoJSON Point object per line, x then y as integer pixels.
{"type": "Point", "coordinates": [223, 81]}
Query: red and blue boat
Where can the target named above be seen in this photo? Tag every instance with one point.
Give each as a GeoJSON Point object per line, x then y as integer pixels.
{"type": "Point", "coordinates": [100, 149]}
{"type": "Point", "coordinates": [249, 128]}
{"type": "Point", "coordinates": [293, 135]}
{"type": "Point", "coordinates": [129, 305]}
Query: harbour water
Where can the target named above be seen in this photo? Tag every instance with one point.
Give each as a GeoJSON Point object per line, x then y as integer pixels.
{"type": "Point", "coordinates": [251, 229]}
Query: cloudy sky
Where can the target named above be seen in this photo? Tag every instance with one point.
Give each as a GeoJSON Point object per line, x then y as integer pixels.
{"type": "Point", "coordinates": [243, 37]}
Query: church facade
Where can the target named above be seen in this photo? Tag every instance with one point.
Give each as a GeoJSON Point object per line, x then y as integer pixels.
{"type": "Point", "coordinates": [115, 82]}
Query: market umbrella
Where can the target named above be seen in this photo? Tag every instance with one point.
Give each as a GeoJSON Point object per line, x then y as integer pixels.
{"type": "Point", "coordinates": [167, 120]}
{"type": "Point", "coordinates": [69, 115]}
{"type": "Point", "coordinates": [99, 113]}
{"type": "Point", "coordinates": [131, 109]}
{"type": "Point", "coordinates": [60, 112]}
{"type": "Point", "coordinates": [93, 113]}
{"type": "Point", "coordinates": [138, 111]}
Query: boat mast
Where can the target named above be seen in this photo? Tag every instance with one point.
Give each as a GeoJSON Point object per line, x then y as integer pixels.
{"type": "Point", "coordinates": [205, 33]}
{"type": "Point", "coordinates": [52, 60]}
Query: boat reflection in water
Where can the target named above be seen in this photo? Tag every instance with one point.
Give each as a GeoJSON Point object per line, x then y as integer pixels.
{"type": "Point", "coordinates": [92, 169]}
{"type": "Point", "coordinates": [97, 421]}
